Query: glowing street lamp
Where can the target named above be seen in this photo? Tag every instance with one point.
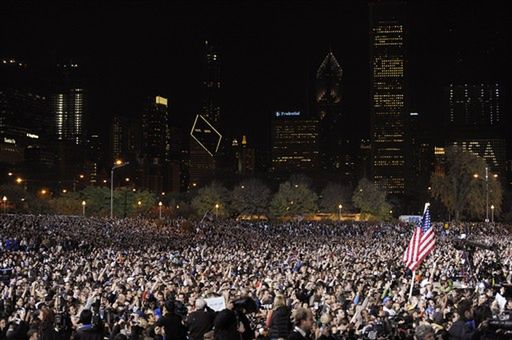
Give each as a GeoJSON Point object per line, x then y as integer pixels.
{"type": "Point", "coordinates": [19, 180]}
{"type": "Point", "coordinates": [339, 211]}
{"type": "Point", "coordinates": [83, 207]}
{"type": "Point", "coordinates": [44, 191]}
{"type": "Point", "coordinates": [9, 174]}
{"type": "Point", "coordinates": [492, 213]}
{"type": "Point", "coordinates": [4, 200]}
{"type": "Point", "coordinates": [217, 210]}
{"type": "Point", "coordinates": [160, 209]}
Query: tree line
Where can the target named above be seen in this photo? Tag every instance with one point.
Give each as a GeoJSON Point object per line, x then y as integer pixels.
{"type": "Point", "coordinates": [460, 187]}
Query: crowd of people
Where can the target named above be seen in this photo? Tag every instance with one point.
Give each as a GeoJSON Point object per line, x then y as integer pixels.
{"type": "Point", "coordinates": [92, 278]}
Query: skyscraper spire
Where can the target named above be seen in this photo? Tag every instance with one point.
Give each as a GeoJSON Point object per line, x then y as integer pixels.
{"type": "Point", "coordinates": [328, 79]}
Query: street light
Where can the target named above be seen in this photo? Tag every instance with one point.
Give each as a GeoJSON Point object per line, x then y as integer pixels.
{"type": "Point", "coordinates": [83, 207]}
{"type": "Point", "coordinates": [119, 164]}
{"type": "Point", "coordinates": [160, 209]}
{"type": "Point", "coordinates": [4, 199]}
{"type": "Point", "coordinates": [217, 210]}
{"type": "Point", "coordinates": [339, 211]}
{"type": "Point", "coordinates": [492, 213]}
{"type": "Point", "coordinates": [19, 180]}
{"type": "Point", "coordinates": [486, 191]}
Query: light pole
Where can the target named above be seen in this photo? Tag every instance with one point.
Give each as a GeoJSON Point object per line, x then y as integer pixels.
{"type": "Point", "coordinates": [339, 211]}
{"type": "Point", "coordinates": [217, 211]}
{"type": "Point", "coordinates": [492, 213]}
{"type": "Point", "coordinates": [4, 200]}
{"type": "Point", "coordinates": [118, 164]}
{"type": "Point", "coordinates": [160, 209]}
{"type": "Point", "coordinates": [83, 207]}
{"type": "Point", "coordinates": [486, 192]}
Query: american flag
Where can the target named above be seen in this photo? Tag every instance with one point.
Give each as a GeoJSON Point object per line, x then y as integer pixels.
{"type": "Point", "coordinates": [422, 242]}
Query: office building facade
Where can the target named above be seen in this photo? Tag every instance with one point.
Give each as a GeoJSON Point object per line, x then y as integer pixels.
{"type": "Point", "coordinates": [388, 95]}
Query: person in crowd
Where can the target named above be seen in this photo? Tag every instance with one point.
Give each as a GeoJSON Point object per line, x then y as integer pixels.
{"type": "Point", "coordinates": [303, 319]}
{"type": "Point", "coordinates": [200, 322]}
{"type": "Point", "coordinates": [279, 321]}
{"type": "Point", "coordinates": [86, 330]}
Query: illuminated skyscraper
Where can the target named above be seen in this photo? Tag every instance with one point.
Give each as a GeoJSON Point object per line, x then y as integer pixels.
{"type": "Point", "coordinates": [67, 104]}
{"type": "Point", "coordinates": [474, 121]}
{"type": "Point", "coordinates": [21, 111]}
{"type": "Point", "coordinates": [155, 129]}
{"type": "Point", "coordinates": [473, 106]}
{"type": "Point", "coordinates": [388, 95]}
{"type": "Point", "coordinates": [67, 108]}
{"type": "Point", "coordinates": [328, 100]}
{"type": "Point", "coordinates": [203, 164]}
{"type": "Point", "coordinates": [155, 143]}
{"type": "Point", "coordinates": [211, 84]}
{"type": "Point", "coordinates": [294, 142]}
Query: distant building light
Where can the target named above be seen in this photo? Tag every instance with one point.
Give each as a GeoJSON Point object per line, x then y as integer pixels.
{"type": "Point", "coordinates": [287, 113]}
{"type": "Point", "coordinates": [31, 135]}
{"type": "Point", "coordinates": [161, 100]}
{"type": "Point", "coordinates": [9, 140]}
{"type": "Point", "coordinates": [439, 151]}
{"type": "Point", "coordinates": [414, 114]}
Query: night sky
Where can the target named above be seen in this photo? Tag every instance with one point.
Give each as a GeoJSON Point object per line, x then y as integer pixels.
{"type": "Point", "coordinates": [270, 52]}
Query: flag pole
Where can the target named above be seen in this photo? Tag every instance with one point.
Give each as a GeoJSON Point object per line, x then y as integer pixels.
{"type": "Point", "coordinates": [412, 283]}
{"type": "Point", "coordinates": [414, 271]}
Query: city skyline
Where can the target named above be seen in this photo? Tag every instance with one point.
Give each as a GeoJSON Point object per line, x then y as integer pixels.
{"type": "Point", "coordinates": [277, 58]}
{"type": "Point", "coordinates": [368, 79]}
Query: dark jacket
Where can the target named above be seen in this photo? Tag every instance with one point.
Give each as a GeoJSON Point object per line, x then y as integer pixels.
{"type": "Point", "coordinates": [17, 331]}
{"type": "Point", "coordinates": [226, 326]}
{"type": "Point", "coordinates": [173, 326]}
{"type": "Point", "coordinates": [88, 332]}
{"type": "Point", "coordinates": [47, 332]}
{"type": "Point", "coordinates": [461, 331]}
{"type": "Point", "coordinates": [280, 324]}
{"type": "Point", "coordinates": [200, 322]}
{"type": "Point", "coordinates": [294, 335]}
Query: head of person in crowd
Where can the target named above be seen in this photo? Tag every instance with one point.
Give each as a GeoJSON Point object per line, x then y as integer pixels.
{"type": "Point", "coordinates": [303, 319]}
